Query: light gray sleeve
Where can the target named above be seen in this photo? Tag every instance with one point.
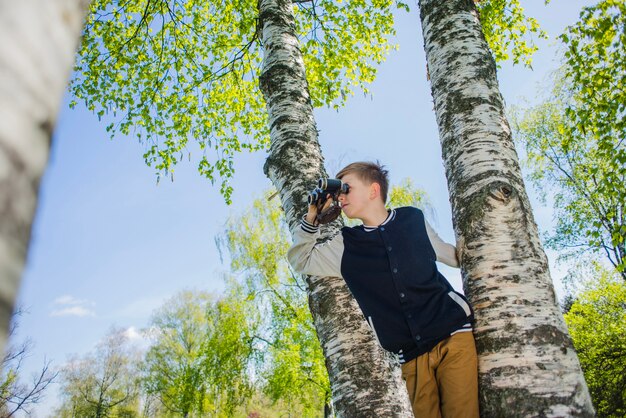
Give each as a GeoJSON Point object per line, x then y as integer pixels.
{"type": "Point", "coordinates": [446, 253]}
{"type": "Point", "coordinates": [308, 257]}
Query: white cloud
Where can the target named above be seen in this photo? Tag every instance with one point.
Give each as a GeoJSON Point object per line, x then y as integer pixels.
{"type": "Point", "coordinates": [71, 300]}
{"type": "Point", "coordinates": [73, 311]}
{"type": "Point", "coordinates": [137, 338]}
{"type": "Point", "coordinates": [68, 305]}
{"type": "Point", "coordinates": [133, 334]}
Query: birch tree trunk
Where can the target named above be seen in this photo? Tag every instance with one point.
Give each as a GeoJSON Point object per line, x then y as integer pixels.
{"type": "Point", "coordinates": [38, 41]}
{"type": "Point", "coordinates": [527, 364]}
{"type": "Point", "coordinates": [365, 380]}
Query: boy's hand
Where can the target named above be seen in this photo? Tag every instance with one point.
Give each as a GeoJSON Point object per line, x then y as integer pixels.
{"type": "Point", "coordinates": [311, 216]}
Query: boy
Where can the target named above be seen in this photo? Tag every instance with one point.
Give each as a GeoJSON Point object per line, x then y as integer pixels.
{"type": "Point", "coordinates": [388, 263]}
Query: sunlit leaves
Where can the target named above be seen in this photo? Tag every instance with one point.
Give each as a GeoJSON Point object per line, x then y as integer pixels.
{"type": "Point", "coordinates": [508, 31]}
{"type": "Point", "coordinates": [589, 204]}
{"type": "Point", "coordinates": [182, 75]}
{"type": "Point", "coordinates": [596, 69]}
{"type": "Point", "coordinates": [228, 352]}
{"type": "Point", "coordinates": [342, 41]}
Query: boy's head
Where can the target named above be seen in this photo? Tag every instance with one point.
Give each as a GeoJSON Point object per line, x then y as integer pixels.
{"type": "Point", "coordinates": [368, 173]}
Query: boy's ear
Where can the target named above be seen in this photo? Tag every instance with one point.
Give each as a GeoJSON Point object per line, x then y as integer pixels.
{"type": "Point", "coordinates": [374, 190]}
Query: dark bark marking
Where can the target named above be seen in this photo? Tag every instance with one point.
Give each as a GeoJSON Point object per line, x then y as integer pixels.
{"type": "Point", "coordinates": [541, 335]}
{"type": "Point", "coordinates": [520, 402]}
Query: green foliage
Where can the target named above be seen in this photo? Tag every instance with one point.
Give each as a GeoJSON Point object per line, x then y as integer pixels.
{"type": "Point", "coordinates": [197, 362]}
{"type": "Point", "coordinates": [597, 325]}
{"type": "Point", "coordinates": [182, 76]}
{"type": "Point", "coordinates": [575, 140]}
{"type": "Point", "coordinates": [596, 71]}
{"type": "Point", "coordinates": [173, 369]}
{"type": "Point", "coordinates": [508, 30]}
{"type": "Point", "coordinates": [228, 353]}
{"type": "Point", "coordinates": [175, 72]}
{"type": "Point", "coordinates": [289, 359]}
{"type": "Point", "coordinates": [342, 41]}
{"type": "Point", "coordinates": [406, 194]}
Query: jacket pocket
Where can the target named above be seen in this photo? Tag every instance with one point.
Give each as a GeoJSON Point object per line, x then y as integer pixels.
{"type": "Point", "coordinates": [461, 302]}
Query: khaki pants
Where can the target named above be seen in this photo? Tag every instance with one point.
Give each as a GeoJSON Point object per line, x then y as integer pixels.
{"type": "Point", "coordinates": [443, 383]}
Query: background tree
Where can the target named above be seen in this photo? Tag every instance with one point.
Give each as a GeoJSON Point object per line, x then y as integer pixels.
{"type": "Point", "coordinates": [15, 395]}
{"type": "Point", "coordinates": [575, 139]}
{"type": "Point", "coordinates": [102, 383]}
{"type": "Point", "coordinates": [597, 324]}
{"type": "Point", "coordinates": [227, 353]}
{"type": "Point", "coordinates": [521, 337]}
{"type": "Point", "coordinates": [172, 367]}
{"type": "Point", "coordinates": [289, 357]}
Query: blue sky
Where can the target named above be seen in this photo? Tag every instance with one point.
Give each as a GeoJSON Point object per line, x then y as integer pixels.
{"type": "Point", "coordinates": [109, 245]}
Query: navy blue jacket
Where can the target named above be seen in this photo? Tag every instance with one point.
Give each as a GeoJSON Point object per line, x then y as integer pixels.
{"type": "Point", "coordinates": [391, 271]}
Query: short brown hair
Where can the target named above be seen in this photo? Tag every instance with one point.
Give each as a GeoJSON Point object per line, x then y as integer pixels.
{"type": "Point", "coordinates": [369, 172]}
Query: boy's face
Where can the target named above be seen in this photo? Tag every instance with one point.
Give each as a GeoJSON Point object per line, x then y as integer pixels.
{"type": "Point", "coordinates": [359, 198]}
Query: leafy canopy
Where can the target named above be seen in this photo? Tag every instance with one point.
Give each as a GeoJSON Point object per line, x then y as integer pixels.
{"type": "Point", "coordinates": [181, 72]}
{"type": "Point", "coordinates": [181, 75]}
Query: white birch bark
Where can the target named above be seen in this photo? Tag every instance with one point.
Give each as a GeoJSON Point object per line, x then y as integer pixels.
{"type": "Point", "coordinates": [38, 41]}
{"type": "Point", "coordinates": [527, 364]}
{"type": "Point", "coordinates": [365, 381]}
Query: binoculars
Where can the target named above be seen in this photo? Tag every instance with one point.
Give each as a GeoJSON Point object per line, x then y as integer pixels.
{"type": "Point", "coordinates": [325, 187]}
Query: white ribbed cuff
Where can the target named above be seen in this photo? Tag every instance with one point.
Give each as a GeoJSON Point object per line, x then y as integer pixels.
{"type": "Point", "coordinates": [308, 227]}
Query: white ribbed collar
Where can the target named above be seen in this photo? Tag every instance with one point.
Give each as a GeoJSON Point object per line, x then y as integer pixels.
{"type": "Point", "coordinates": [392, 214]}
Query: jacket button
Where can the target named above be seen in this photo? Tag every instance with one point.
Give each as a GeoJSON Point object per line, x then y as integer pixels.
{"type": "Point", "coordinates": [389, 248]}
{"type": "Point", "coordinates": [401, 295]}
{"type": "Point", "coordinates": [382, 228]}
{"type": "Point", "coordinates": [395, 270]}
{"type": "Point", "coordinates": [410, 316]}
{"type": "Point", "coordinates": [417, 338]}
